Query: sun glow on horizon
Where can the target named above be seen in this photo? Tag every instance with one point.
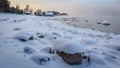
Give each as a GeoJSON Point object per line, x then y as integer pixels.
{"type": "Point", "coordinates": [74, 7]}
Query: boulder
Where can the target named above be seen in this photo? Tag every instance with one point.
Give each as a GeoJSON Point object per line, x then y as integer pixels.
{"type": "Point", "coordinates": [106, 23]}
{"type": "Point", "coordinates": [71, 58]}
{"type": "Point", "coordinates": [40, 59]}
{"type": "Point", "coordinates": [69, 51]}
{"type": "Point", "coordinates": [28, 50]}
{"type": "Point", "coordinates": [24, 36]}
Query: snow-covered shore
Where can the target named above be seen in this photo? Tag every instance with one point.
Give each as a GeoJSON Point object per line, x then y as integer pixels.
{"type": "Point", "coordinates": [104, 48]}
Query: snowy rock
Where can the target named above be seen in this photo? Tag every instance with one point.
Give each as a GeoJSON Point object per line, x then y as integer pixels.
{"type": "Point", "coordinates": [48, 13]}
{"type": "Point", "coordinates": [98, 22]}
{"type": "Point", "coordinates": [68, 46]}
{"type": "Point", "coordinates": [88, 41]}
{"type": "Point", "coordinates": [48, 36]}
{"type": "Point", "coordinates": [29, 50]}
{"type": "Point", "coordinates": [69, 51]}
{"type": "Point", "coordinates": [86, 20]}
{"type": "Point", "coordinates": [105, 23]}
{"type": "Point", "coordinates": [17, 28]}
{"type": "Point", "coordinates": [41, 35]}
{"type": "Point", "coordinates": [41, 60]}
{"type": "Point", "coordinates": [24, 36]}
{"type": "Point", "coordinates": [57, 34]}
{"type": "Point", "coordinates": [46, 50]}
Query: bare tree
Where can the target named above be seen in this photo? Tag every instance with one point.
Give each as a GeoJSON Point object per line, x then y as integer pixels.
{"type": "Point", "coordinates": [27, 8]}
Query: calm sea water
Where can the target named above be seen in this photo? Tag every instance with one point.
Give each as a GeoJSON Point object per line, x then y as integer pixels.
{"type": "Point", "coordinates": [114, 21]}
{"type": "Point", "coordinates": [92, 23]}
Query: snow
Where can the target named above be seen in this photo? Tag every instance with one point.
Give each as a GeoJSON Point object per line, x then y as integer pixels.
{"type": "Point", "coordinates": [49, 13]}
{"type": "Point", "coordinates": [103, 48]}
{"type": "Point", "coordinates": [68, 46]}
{"type": "Point", "coordinates": [104, 22]}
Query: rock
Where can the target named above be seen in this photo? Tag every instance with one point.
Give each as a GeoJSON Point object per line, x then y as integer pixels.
{"type": "Point", "coordinates": [29, 50]}
{"type": "Point", "coordinates": [118, 49]}
{"type": "Point", "coordinates": [98, 22]}
{"type": "Point", "coordinates": [31, 38]}
{"type": "Point", "coordinates": [71, 58]}
{"type": "Point", "coordinates": [41, 60]}
{"type": "Point", "coordinates": [47, 50]}
{"type": "Point", "coordinates": [17, 28]}
{"type": "Point", "coordinates": [86, 20]}
{"type": "Point", "coordinates": [23, 36]}
{"type": "Point", "coordinates": [106, 23]}
{"type": "Point", "coordinates": [24, 40]}
{"type": "Point", "coordinates": [84, 57]}
{"type": "Point", "coordinates": [4, 19]}
{"type": "Point", "coordinates": [69, 51]}
{"type": "Point", "coordinates": [41, 35]}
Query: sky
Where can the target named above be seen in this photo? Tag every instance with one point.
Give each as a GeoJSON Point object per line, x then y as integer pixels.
{"type": "Point", "coordinates": [74, 7]}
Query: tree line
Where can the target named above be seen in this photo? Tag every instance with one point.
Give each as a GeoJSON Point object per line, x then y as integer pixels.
{"type": "Point", "coordinates": [5, 8]}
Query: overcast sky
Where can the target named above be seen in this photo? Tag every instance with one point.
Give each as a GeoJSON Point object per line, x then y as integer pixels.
{"type": "Point", "coordinates": [75, 7]}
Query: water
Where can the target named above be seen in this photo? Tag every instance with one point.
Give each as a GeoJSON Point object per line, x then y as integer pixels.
{"type": "Point", "coordinates": [92, 23]}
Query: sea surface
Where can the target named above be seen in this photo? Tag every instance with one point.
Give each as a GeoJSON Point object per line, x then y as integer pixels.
{"type": "Point", "coordinates": [91, 22]}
